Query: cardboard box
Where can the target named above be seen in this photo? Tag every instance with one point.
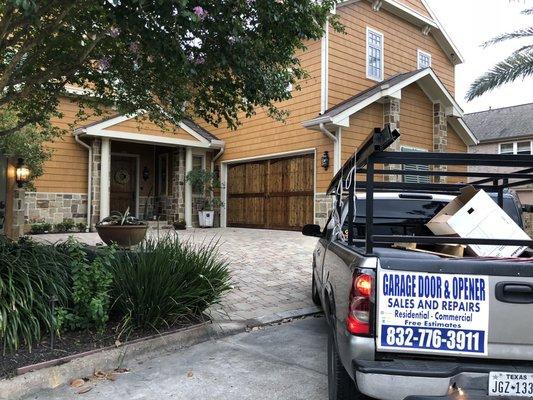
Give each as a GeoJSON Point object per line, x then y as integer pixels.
{"type": "Point", "coordinates": [473, 214]}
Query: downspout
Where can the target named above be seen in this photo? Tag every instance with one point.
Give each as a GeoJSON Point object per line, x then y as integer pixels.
{"type": "Point", "coordinates": [216, 157]}
{"type": "Point", "coordinates": [89, 176]}
{"type": "Point", "coordinates": [336, 146]}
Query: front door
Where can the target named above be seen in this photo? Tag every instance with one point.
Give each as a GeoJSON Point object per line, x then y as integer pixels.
{"type": "Point", "coordinates": [3, 191]}
{"type": "Point", "coordinates": [123, 183]}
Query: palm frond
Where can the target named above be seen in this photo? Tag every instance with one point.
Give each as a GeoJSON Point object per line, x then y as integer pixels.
{"type": "Point", "coordinates": [521, 33]}
{"type": "Point", "coordinates": [528, 11]}
{"type": "Point", "coordinates": [515, 66]}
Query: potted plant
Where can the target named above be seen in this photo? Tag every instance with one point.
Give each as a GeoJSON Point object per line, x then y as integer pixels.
{"type": "Point", "coordinates": [205, 182]}
{"type": "Point", "coordinates": [123, 229]}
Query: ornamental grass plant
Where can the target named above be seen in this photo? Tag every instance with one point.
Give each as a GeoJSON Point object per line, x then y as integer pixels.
{"type": "Point", "coordinates": [165, 280]}
{"type": "Point", "coordinates": [32, 276]}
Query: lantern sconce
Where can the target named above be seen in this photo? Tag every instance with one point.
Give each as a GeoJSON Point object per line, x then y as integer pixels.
{"type": "Point", "coordinates": [22, 173]}
{"type": "Point", "coordinates": [146, 173]}
{"type": "Point", "coordinates": [325, 160]}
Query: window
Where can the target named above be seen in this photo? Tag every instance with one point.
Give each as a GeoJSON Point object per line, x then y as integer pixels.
{"type": "Point", "coordinates": [374, 54]}
{"type": "Point", "coordinates": [197, 164]}
{"type": "Point", "coordinates": [424, 59]}
{"type": "Point", "coordinates": [162, 173]}
{"type": "Point", "coordinates": [415, 167]}
{"type": "Point", "coordinates": [523, 147]}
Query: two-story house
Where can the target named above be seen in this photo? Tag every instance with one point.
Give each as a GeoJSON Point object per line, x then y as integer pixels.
{"type": "Point", "coordinates": [394, 64]}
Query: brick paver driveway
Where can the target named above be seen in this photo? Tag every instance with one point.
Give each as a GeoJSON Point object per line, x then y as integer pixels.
{"type": "Point", "coordinates": [271, 269]}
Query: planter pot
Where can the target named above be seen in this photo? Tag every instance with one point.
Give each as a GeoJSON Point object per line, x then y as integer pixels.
{"type": "Point", "coordinates": [123, 236]}
{"type": "Point", "coordinates": [180, 227]}
{"type": "Point", "coordinates": [206, 219]}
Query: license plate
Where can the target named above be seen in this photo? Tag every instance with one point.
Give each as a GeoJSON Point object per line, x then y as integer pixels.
{"type": "Point", "coordinates": [510, 384]}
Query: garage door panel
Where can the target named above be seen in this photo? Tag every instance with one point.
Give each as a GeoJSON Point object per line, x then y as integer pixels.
{"type": "Point", "coordinates": [275, 193]}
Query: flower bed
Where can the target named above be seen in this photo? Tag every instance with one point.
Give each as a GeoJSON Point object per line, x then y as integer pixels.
{"type": "Point", "coordinates": [90, 297]}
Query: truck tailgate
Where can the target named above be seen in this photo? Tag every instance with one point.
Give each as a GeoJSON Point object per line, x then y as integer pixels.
{"type": "Point", "coordinates": [460, 307]}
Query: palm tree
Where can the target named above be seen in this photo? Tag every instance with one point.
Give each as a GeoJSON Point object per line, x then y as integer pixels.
{"type": "Point", "coordinates": [518, 64]}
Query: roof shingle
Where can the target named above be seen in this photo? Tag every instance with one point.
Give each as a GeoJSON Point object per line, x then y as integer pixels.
{"type": "Point", "coordinates": [501, 123]}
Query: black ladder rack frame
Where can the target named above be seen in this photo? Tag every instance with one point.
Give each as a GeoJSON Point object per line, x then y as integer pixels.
{"type": "Point", "coordinates": [374, 152]}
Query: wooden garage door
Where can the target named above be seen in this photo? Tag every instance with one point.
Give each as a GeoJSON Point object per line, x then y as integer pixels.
{"type": "Point", "coordinates": [275, 194]}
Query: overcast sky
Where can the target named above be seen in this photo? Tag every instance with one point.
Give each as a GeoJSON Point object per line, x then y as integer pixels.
{"type": "Point", "coordinates": [470, 23]}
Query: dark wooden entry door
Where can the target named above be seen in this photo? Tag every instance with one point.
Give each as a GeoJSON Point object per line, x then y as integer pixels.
{"type": "Point", "coordinates": [123, 183]}
{"type": "Point", "coordinates": [276, 193]}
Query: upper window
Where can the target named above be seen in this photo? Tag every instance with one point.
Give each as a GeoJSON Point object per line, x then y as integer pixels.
{"type": "Point", "coordinates": [523, 147]}
{"type": "Point", "coordinates": [415, 167]}
{"type": "Point", "coordinates": [374, 54]}
{"type": "Point", "coordinates": [424, 59]}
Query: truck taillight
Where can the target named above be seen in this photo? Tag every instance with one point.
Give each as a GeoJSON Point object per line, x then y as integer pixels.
{"type": "Point", "coordinates": [358, 322]}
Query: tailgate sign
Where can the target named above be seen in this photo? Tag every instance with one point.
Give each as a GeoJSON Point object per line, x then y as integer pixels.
{"type": "Point", "coordinates": [432, 313]}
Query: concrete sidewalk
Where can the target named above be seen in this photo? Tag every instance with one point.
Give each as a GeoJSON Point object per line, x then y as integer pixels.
{"type": "Point", "coordinates": [278, 362]}
{"type": "Point", "coordinates": [271, 269]}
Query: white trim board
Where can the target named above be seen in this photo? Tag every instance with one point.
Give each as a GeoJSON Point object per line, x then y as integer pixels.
{"type": "Point", "coordinates": [153, 139]}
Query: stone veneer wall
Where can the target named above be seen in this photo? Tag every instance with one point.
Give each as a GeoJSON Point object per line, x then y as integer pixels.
{"type": "Point", "coordinates": [55, 207]}
{"type": "Point", "coordinates": [176, 204]}
{"type": "Point", "coordinates": [440, 138]}
{"type": "Point", "coordinates": [323, 206]}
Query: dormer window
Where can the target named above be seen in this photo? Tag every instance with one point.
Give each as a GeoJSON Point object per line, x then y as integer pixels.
{"type": "Point", "coordinates": [424, 59]}
{"type": "Point", "coordinates": [374, 54]}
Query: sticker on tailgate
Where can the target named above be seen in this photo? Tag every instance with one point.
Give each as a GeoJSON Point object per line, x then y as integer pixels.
{"type": "Point", "coordinates": [432, 313]}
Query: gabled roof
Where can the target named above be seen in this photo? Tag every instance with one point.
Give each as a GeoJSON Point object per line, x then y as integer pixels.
{"type": "Point", "coordinates": [100, 128]}
{"type": "Point", "coordinates": [502, 123]}
{"type": "Point", "coordinates": [428, 81]}
{"type": "Point", "coordinates": [431, 26]}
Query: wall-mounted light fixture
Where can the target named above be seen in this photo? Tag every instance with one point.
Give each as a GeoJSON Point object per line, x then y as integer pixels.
{"type": "Point", "coordinates": [146, 173]}
{"type": "Point", "coordinates": [325, 160]}
{"type": "Point", "coordinates": [22, 173]}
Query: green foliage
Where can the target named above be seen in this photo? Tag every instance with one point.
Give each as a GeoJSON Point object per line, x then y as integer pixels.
{"type": "Point", "coordinates": [28, 143]}
{"type": "Point", "coordinates": [205, 182]}
{"type": "Point", "coordinates": [40, 228]}
{"type": "Point", "coordinates": [31, 276]}
{"type": "Point", "coordinates": [81, 226]}
{"type": "Point", "coordinates": [117, 218]}
{"type": "Point", "coordinates": [91, 282]}
{"type": "Point", "coordinates": [66, 226]}
{"type": "Point", "coordinates": [518, 65]}
{"type": "Point", "coordinates": [166, 281]}
{"type": "Point", "coordinates": [222, 58]}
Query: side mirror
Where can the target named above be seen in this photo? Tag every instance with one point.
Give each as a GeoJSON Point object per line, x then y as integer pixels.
{"type": "Point", "coordinates": [312, 230]}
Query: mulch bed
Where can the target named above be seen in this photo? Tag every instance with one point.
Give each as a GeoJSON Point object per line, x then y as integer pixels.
{"type": "Point", "coordinates": [71, 343]}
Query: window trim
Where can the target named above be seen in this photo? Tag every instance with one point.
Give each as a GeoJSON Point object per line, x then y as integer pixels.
{"type": "Point", "coordinates": [419, 52]}
{"type": "Point", "coordinates": [515, 146]}
{"type": "Point", "coordinates": [368, 30]}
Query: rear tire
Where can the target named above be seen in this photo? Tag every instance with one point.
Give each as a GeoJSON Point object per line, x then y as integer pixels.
{"type": "Point", "coordinates": [340, 384]}
{"type": "Point", "coordinates": [315, 296]}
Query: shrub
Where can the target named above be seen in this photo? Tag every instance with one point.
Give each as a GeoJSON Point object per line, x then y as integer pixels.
{"type": "Point", "coordinates": [31, 276]}
{"type": "Point", "coordinates": [161, 282]}
{"type": "Point", "coordinates": [43, 227]}
{"type": "Point", "coordinates": [91, 282]}
{"type": "Point", "coordinates": [81, 226]}
{"type": "Point", "coordinates": [66, 226]}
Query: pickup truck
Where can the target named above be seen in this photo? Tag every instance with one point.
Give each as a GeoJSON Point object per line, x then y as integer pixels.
{"type": "Point", "coordinates": [413, 325]}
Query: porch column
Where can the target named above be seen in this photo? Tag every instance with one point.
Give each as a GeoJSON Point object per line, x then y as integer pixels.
{"type": "Point", "coordinates": [391, 115]}
{"type": "Point", "coordinates": [105, 169]}
{"type": "Point", "coordinates": [188, 188]}
{"type": "Point", "coordinates": [440, 137]}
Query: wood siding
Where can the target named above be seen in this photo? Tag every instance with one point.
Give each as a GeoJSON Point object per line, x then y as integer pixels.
{"type": "Point", "coordinates": [260, 135]}
{"type": "Point", "coordinates": [347, 52]}
{"type": "Point", "coordinates": [416, 5]}
{"type": "Point", "coordinates": [66, 172]}
{"type": "Point", "coordinates": [416, 118]}
{"type": "Point", "coordinates": [362, 124]}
